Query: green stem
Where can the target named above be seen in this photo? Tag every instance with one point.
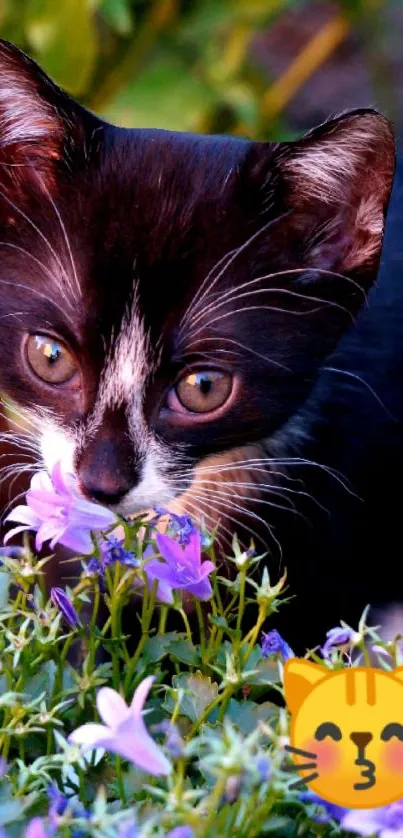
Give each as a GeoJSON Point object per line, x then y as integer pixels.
{"type": "Point", "coordinates": [253, 635]}
{"type": "Point", "coordinates": [187, 626]}
{"type": "Point", "coordinates": [163, 619]}
{"type": "Point", "coordinates": [119, 779]}
{"type": "Point", "coordinates": [222, 697]}
{"type": "Point", "coordinates": [241, 606]}
{"type": "Point", "coordinates": [201, 629]}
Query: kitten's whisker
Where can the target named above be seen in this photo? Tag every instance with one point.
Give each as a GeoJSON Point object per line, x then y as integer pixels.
{"type": "Point", "coordinates": [66, 239]}
{"type": "Point", "coordinates": [233, 293]}
{"type": "Point", "coordinates": [37, 230]}
{"type": "Point", "coordinates": [228, 504]}
{"type": "Point", "coordinates": [276, 309]}
{"type": "Point", "coordinates": [43, 296]}
{"type": "Point", "coordinates": [305, 766]}
{"type": "Point", "coordinates": [304, 781]}
{"type": "Point", "coordinates": [241, 345]}
{"type": "Point", "coordinates": [200, 293]}
{"type": "Point", "coordinates": [300, 752]}
{"type": "Point", "coordinates": [366, 385]}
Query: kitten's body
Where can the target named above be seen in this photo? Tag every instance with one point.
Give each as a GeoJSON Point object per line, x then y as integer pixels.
{"type": "Point", "coordinates": [349, 554]}
{"type": "Point", "coordinates": [167, 300]}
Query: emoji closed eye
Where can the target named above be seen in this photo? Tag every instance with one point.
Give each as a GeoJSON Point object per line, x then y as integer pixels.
{"type": "Point", "coordinates": [392, 729]}
{"type": "Point", "coordinates": [328, 729]}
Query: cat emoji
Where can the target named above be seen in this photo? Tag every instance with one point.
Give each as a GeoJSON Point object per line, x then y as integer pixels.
{"type": "Point", "coordinates": [346, 736]}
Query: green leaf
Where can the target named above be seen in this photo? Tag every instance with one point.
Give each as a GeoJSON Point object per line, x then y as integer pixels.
{"type": "Point", "coordinates": [246, 714]}
{"type": "Point", "coordinates": [118, 14]}
{"type": "Point", "coordinates": [165, 95]}
{"type": "Point", "coordinates": [63, 36]}
{"type": "Point", "coordinates": [43, 680]}
{"type": "Point", "coordinates": [183, 650]}
{"type": "Point", "coordinates": [155, 648]}
{"type": "Point", "coordinates": [199, 692]}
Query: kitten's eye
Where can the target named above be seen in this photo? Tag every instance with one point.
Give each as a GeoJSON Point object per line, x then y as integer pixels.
{"type": "Point", "coordinates": [49, 359]}
{"type": "Point", "coordinates": [392, 729]}
{"type": "Point", "coordinates": [203, 391]}
{"type": "Point", "coordinates": [328, 729]}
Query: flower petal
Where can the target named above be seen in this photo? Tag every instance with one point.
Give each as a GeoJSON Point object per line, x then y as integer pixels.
{"type": "Point", "coordinates": [24, 515]}
{"type": "Point", "coordinates": [193, 549]}
{"type": "Point", "coordinates": [140, 696]}
{"type": "Point", "coordinates": [50, 530]}
{"type": "Point", "coordinates": [92, 736]}
{"type": "Point", "coordinates": [41, 482]}
{"type": "Point", "coordinates": [170, 550]}
{"type": "Point", "coordinates": [201, 590]}
{"type": "Point", "coordinates": [15, 531]}
{"type": "Point", "coordinates": [79, 541]}
{"type": "Point", "coordinates": [111, 707]}
{"type": "Point", "coordinates": [144, 752]}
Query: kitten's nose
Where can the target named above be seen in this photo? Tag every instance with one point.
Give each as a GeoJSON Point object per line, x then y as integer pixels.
{"type": "Point", "coordinates": [361, 738]}
{"type": "Point", "coordinates": [108, 490]}
{"type": "Point", "coordinates": [107, 470]}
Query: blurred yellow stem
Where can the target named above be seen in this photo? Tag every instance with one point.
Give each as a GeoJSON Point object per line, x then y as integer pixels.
{"type": "Point", "coordinates": [311, 57]}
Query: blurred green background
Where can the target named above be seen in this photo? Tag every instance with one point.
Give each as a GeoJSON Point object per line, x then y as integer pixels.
{"type": "Point", "coordinates": [258, 68]}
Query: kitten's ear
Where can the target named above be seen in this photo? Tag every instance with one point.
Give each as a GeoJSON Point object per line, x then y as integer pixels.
{"type": "Point", "coordinates": [336, 183]}
{"type": "Point", "coordinates": [39, 124]}
{"type": "Point", "coordinates": [300, 677]}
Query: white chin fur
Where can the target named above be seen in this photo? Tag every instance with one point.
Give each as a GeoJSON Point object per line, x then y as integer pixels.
{"type": "Point", "coordinates": [55, 446]}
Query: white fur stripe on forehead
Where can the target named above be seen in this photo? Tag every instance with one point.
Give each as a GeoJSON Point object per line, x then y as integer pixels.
{"type": "Point", "coordinates": [128, 363]}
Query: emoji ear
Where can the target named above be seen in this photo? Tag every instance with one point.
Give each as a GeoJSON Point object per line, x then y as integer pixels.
{"type": "Point", "coordinates": [300, 677]}
{"type": "Point", "coordinates": [398, 673]}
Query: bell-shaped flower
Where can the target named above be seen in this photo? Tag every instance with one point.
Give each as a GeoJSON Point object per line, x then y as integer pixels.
{"type": "Point", "coordinates": [123, 731]}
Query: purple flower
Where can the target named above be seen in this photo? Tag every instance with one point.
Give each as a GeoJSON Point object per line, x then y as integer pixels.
{"type": "Point", "coordinates": [59, 803]}
{"type": "Point", "coordinates": [36, 829]}
{"type": "Point", "coordinates": [182, 569]}
{"type": "Point", "coordinates": [327, 811]}
{"type": "Point", "coordinates": [59, 513]}
{"type": "Point", "coordinates": [263, 766]}
{"type": "Point", "coordinates": [273, 644]}
{"type": "Point", "coordinates": [112, 551]}
{"type": "Point", "coordinates": [65, 606]}
{"type": "Point", "coordinates": [180, 525]}
{"type": "Point", "coordinates": [385, 822]}
{"type": "Point", "coordinates": [341, 637]}
{"type": "Point", "coordinates": [124, 731]}
{"type": "Point", "coordinates": [181, 832]}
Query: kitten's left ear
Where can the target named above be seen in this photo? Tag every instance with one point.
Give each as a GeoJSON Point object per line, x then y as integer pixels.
{"type": "Point", "coordinates": [41, 127]}
{"type": "Point", "coordinates": [335, 184]}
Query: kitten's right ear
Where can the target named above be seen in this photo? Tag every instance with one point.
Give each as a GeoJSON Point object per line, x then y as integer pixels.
{"type": "Point", "coordinates": [40, 125]}
{"type": "Point", "coordinates": [300, 677]}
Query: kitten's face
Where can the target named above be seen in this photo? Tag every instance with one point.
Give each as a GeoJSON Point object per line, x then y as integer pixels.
{"type": "Point", "coordinates": [168, 297]}
{"type": "Point", "coordinates": [350, 722]}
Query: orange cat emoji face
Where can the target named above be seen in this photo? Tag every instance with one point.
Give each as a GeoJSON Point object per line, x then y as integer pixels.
{"type": "Point", "coordinates": [346, 732]}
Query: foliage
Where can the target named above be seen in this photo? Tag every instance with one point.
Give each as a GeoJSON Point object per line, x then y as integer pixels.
{"type": "Point", "coordinates": [177, 64]}
{"type": "Point", "coordinates": [211, 759]}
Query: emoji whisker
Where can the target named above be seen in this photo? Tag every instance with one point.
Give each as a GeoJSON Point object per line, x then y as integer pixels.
{"type": "Point", "coordinates": [303, 767]}
{"type": "Point", "coordinates": [300, 752]}
{"type": "Point", "coordinates": [304, 781]}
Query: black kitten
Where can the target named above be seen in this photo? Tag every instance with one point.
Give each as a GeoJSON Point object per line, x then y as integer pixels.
{"type": "Point", "coordinates": [167, 299]}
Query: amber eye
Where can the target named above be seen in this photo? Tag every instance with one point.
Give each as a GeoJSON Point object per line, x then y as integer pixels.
{"type": "Point", "coordinates": [203, 391]}
{"type": "Point", "coordinates": [49, 359]}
